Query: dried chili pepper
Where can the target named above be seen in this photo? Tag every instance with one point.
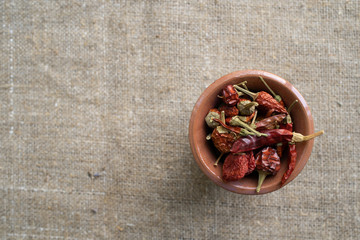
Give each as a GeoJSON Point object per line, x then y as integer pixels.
{"type": "Point", "coordinates": [251, 163]}
{"type": "Point", "coordinates": [230, 96]}
{"type": "Point", "coordinates": [230, 111]}
{"type": "Point", "coordinates": [269, 113]}
{"type": "Point", "coordinates": [273, 136]}
{"type": "Point", "coordinates": [288, 125]}
{"type": "Point", "coordinates": [251, 117]}
{"type": "Point", "coordinates": [228, 120]}
{"type": "Point", "coordinates": [292, 162]}
{"type": "Point", "coordinates": [267, 162]}
{"type": "Point", "coordinates": [221, 137]}
{"type": "Point", "coordinates": [279, 149]}
{"type": "Point", "coordinates": [270, 122]}
{"type": "Point", "coordinates": [265, 100]}
{"type": "Point", "coordinates": [222, 141]}
{"type": "Point", "coordinates": [213, 113]}
{"type": "Point", "coordinates": [236, 166]}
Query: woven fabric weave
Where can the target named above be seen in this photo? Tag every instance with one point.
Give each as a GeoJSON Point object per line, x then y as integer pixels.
{"type": "Point", "coordinates": [96, 98]}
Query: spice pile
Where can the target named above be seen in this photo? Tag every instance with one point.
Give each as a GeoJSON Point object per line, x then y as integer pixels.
{"type": "Point", "coordinates": [253, 129]}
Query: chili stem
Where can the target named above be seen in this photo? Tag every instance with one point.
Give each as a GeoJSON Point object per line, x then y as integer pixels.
{"type": "Point", "coordinates": [262, 176]}
{"type": "Point", "coordinates": [245, 132]}
{"type": "Point", "coordinates": [239, 93]}
{"type": "Point", "coordinates": [277, 97]}
{"type": "Point", "coordinates": [253, 120]}
{"type": "Point", "coordinates": [298, 137]}
{"type": "Point", "coordinates": [218, 159]}
{"type": "Point", "coordinates": [208, 137]}
{"type": "Point", "coordinates": [251, 94]}
{"type": "Point", "coordinates": [292, 106]}
{"type": "Point", "coordinates": [247, 127]}
{"type": "Point", "coordinates": [252, 124]}
{"type": "Point", "coordinates": [222, 116]}
{"type": "Point", "coordinates": [243, 83]}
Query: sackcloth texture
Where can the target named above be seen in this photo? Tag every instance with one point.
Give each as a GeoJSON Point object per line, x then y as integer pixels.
{"type": "Point", "coordinates": [96, 98]}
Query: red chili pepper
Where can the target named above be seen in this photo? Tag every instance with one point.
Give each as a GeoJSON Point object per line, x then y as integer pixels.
{"type": "Point", "coordinates": [265, 100]}
{"type": "Point", "coordinates": [270, 122]}
{"type": "Point", "coordinates": [230, 111]}
{"type": "Point", "coordinates": [276, 97]}
{"type": "Point", "coordinates": [241, 99]}
{"type": "Point", "coordinates": [279, 149]}
{"type": "Point", "coordinates": [280, 146]}
{"type": "Point", "coordinates": [236, 166]}
{"type": "Point", "coordinates": [252, 142]}
{"type": "Point", "coordinates": [227, 120]}
{"type": "Point", "coordinates": [249, 118]}
{"type": "Point", "coordinates": [251, 163]}
{"type": "Point", "coordinates": [230, 96]}
{"type": "Point", "coordinates": [288, 125]}
{"type": "Point", "coordinates": [267, 162]}
{"type": "Point", "coordinates": [269, 113]}
{"type": "Point", "coordinates": [222, 141]}
{"type": "Point", "coordinates": [292, 162]}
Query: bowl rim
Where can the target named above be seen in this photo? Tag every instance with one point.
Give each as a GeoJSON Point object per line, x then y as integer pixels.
{"type": "Point", "coordinates": [245, 74]}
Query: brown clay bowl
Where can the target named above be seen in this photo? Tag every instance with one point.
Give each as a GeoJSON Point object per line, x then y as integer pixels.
{"type": "Point", "coordinates": [205, 153]}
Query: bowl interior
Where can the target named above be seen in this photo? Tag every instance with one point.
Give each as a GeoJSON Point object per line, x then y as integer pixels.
{"type": "Point", "coordinates": [205, 153]}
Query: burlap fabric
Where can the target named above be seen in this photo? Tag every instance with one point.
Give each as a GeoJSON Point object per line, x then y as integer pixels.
{"type": "Point", "coordinates": [95, 102]}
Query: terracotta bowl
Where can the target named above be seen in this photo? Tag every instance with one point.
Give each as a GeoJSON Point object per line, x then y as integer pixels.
{"type": "Point", "coordinates": [205, 153]}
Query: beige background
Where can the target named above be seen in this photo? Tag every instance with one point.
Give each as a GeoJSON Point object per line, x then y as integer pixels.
{"type": "Point", "coordinates": [106, 88]}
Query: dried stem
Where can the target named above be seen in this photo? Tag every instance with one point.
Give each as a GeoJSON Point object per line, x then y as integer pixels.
{"type": "Point", "coordinates": [292, 106]}
{"type": "Point", "coordinates": [218, 159]}
{"type": "Point", "coordinates": [298, 137]}
{"type": "Point", "coordinates": [251, 94]}
{"type": "Point", "coordinates": [247, 127]}
{"type": "Point", "coordinates": [254, 118]}
{"type": "Point", "coordinates": [222, 116]}
{"type": "Point", "coordinates": [277, 97]}
{"type": "Point", "coordinates": [262, 176]}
